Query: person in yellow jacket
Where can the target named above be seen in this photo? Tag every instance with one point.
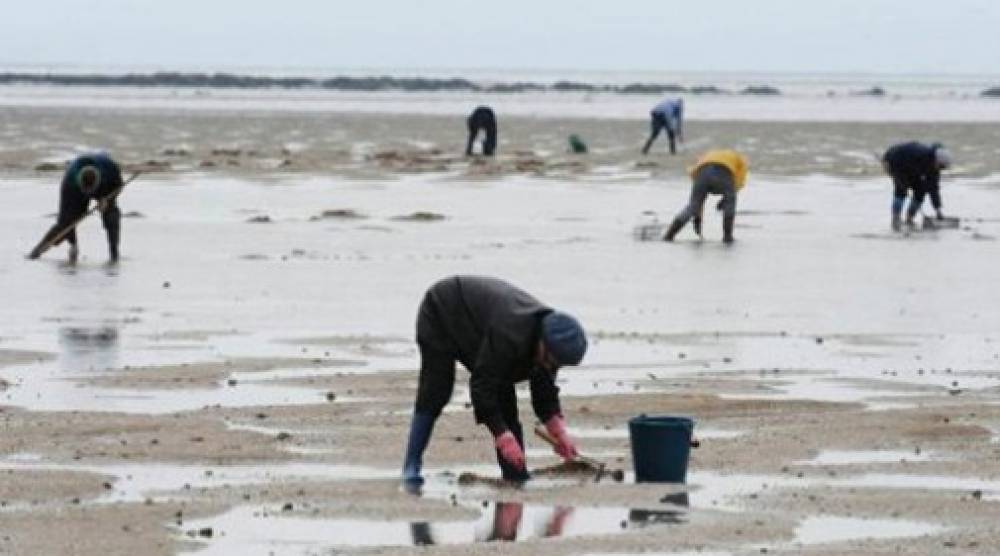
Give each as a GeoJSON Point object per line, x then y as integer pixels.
{"type": "Point", "coordinates": [719, 172]}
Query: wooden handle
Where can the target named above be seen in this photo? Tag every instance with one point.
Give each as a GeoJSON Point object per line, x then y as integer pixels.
{"type": "Point", "coordinates": [44, 245]}
{"type": "Point", "coordinates": [540, 432]}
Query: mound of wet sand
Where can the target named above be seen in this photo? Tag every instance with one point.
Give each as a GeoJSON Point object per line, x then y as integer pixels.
{"type": "Point", "coordinates": [338, 214]}
{"type": "Point", "coordinates": [368, 146]}
{"type": "Point", "coordinates": [420, 216]}
{"type": "Point", "coordinates": [566, 470]}
{"type": "Point", "coordinates": [49, 167]}
{"type": "Point", "coordinates": [433, 160]}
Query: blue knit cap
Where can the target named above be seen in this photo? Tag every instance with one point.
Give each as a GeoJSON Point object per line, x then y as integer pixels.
{"type": "Point", "coordinates": [564, 338]}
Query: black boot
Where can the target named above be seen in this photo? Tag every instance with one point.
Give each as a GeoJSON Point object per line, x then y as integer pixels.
{"type": "Point", "coordinates": [727, 228]}
{"type": "Point", "coordinates": [675, 227]}
{"type": "Point", "coordinates": [697, 225]}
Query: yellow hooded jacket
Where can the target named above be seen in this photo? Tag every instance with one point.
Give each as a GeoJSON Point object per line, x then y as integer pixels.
{"type": "Point", "coordinates": [729, 158]}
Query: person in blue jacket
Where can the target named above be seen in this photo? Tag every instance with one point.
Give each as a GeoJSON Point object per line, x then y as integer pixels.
{"type": "Point", "coordinates": [915, 167]}
{"type": "Point", "coordinates": [89, 177]}
{"type": "Point", "coordinates": [667, 116]}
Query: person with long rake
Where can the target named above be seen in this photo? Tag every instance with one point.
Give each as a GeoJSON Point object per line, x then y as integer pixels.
{"type": "Point", "coordinates": [90, 177]}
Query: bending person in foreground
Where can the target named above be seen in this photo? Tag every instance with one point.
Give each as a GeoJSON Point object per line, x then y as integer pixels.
{"type": "Point", "coordinates": [482, 119]}
{"type": "Point", "coordinates": [917, 167]}
{"type": "Point", "coordinates": [718, 172]}
{"type": "Point", "coordinates": [503, 336]}
{"type": "Point", "coordinates": [89, 177]}
{"type": "Point", "coordinates": [667, 115]}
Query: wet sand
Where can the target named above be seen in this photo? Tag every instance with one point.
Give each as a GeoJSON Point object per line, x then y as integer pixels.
{"type": "Point", "coordinates": [245, 387]}
{"type": "Point", "coordinates": [264, 145]}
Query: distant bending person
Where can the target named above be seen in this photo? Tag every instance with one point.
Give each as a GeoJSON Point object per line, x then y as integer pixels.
{"type": "Point", "coordinates": [667, 115]}
{"type": "Point", "coordinates": [917, 167]}
{"type": "Point", "coordinates": [89, 177]}
{"type": "Point", "coordinates": [718, 172]}
{"type": "Point", "coordinates": [482, 119]}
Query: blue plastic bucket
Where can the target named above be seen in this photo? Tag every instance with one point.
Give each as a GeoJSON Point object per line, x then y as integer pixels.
{"type": "Point", "coordinates": [661, 446]}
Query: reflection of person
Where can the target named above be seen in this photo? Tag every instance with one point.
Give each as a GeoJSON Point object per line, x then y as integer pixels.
{"type": "Point", "coordinates": [482, 119]}
{"type": "Point", "coordinates": [556, 525]}
{"type": "Point", "coordinates": [719, 172]}
{"type": "Point", "coordinates": [89, 177]}
{"type": "Point", "coordinates": [917, 167]}
{"type": "Point", "coordinates": [668, 115]}
{"type": "Point", "coordinates": [506, 521]}
{"type": "Point", "coordinates": [503, 336]}
{"type": "Point", "coordinates": [420, 532]}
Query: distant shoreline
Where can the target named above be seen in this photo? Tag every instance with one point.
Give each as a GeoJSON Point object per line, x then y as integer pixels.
{"type": "Point", "coordinates": [363, 84]}
{"type": "Point", "coordinates": [387, 83]}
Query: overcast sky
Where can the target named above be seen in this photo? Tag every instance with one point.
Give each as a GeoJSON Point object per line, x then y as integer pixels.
{"type": "Point", "coordinates": [896, 36]}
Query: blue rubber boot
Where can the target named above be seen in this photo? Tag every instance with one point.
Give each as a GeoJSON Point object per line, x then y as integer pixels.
{"type": "Point", "coordinates": [421, 428]}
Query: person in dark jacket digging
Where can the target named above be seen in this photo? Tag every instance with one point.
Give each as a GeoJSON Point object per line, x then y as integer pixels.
{"type": "Point", "coordinates": [503, 336]}
{"type": "Point", "coordinates": [482, 119]}
{"type": "Point", "coordinates": [89, 177]}
{"type": "Point", "coordinates": [917, 167]}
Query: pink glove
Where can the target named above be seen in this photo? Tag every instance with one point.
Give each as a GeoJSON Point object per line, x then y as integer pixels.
{"type": "Point", "coordinates": [511, 451]}
{"type": "Point", "coordinates": [565, 447]}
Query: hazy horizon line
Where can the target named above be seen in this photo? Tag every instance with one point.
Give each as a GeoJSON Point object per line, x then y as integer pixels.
{"type": "Point", "coordinates": [163, 67]}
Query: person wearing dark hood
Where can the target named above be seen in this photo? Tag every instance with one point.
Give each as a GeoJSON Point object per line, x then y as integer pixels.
{"type": "Point", "coordinates": [89, 177]}
{"type": "Point", "coordinates": [482, 119]}
{"type": "Point", "coordinates": [915, 167]}
{"type": "Point", "coordinates": [503, 336]}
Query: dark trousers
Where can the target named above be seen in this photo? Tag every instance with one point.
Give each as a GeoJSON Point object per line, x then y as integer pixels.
{"type": "Point", "coordinates": [902, 183]}
{"type": "Point", "coordinates": [658, 122]}
{"type": "Point", "coordinates": [72, 205]}
{"type": "Point", "coordinates": [437, 382]}
{"type": "Point", "coordinates": [482, 120]}
{"type": "Point", "coordinates": [710, 179]}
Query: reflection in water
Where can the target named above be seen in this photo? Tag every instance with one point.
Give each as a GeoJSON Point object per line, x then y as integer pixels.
{"type": "Point", "coordinates": [250, 529]}
{"type": "Point", "coordinates": [85, 337]}
{"type": "Point", "coordinates": [642, 518]}
{"type": "Point", "coordinates": [514, 521]}
{"type": "Point", "coordinates": [421, 532]}
{"type": "Point", "coordinates": [678, 499]}
{"type": "Point", "coordinates": [88, 348]}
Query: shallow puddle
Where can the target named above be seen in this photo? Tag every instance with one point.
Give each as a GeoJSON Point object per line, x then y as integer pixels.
{"type": "Point", "coordinates": [249, 529]}
{"type": "Point", "coordinates": [851, 457]}
{"type": "Point", "coordinates": [138, 482]}
{"type": "Point", "coordinates": [698, 553]}
{"type": "Point", "coordinates": [61, 395]}
{"type": "Point", "coordinates": [622, 433]}
{"type": "Point", "coordinates": [831, 529]}
{"type": "Point", "coordinates": [806, 387]}
{"type": "Point", "coordinates": [987, 489]}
